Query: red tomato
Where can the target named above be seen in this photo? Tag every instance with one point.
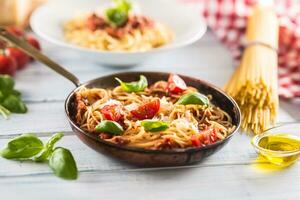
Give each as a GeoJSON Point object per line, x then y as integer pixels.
{"type": "Point", "coordinates": [112, 112]}
{"type": "Point", "coordinates": [176, 84]}
{"type": "Point", "coordinates": [15, 30]}
{"type": "Point", "coordinates": [34, 42]}
{"type": "Point", "coordinates": [8, 65]}
{"type": "Point", "coordinates": [147, 110]}
{"type": "Point", "coordinates": [21, 57]}
{"type": "Point", "coordinates": [196, 141]}
{"type": "Point", "coordinates": [208, 136]}
{"type": "Point", "coordinates": [213, 136]}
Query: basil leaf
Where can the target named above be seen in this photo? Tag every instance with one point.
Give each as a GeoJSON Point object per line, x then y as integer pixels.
{"type": "Point", "coordinates": [193, 98]}
{"type": "Point", "coordinates": [118, 14]}
{"type": "Point", "coordinates": [16, 93]}
{"type": "Point", "coordinates": [6, 83]}
{"type": "Point", "coordinates": [136, 86]}
{"type": "Point", "coordinates": [116, 17]}
{"type": "Point", "coordinates": [2, 96]}
{"type": "Point", "coordinates": [63, 164]}
{"type": "Point", "coordinates": [14, 104]}
{"type": "Point", "coordinates": [24, 146]}
{"type": "Point", "coordinates": [48, 147]}
{"type": "Point", "coordinates": [111, 127]}
{"type": "Point", "coordinates": [154, 125]}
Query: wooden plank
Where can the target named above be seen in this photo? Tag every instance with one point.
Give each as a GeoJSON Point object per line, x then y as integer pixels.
{"type": "Point", "coordinates": [220, 182]}
{"type": "Point", "coordinates": [41, 117]}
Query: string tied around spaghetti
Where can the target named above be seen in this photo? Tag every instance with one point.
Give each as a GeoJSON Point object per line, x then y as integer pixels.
{"type": "Point", "coordinates": [260, 43]}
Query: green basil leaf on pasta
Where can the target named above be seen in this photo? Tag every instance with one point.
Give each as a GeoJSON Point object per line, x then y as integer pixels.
{"type": "Point", "coordinates": [107, 126]}
{"type": "Point", "coordinates": [48, 147]}
{"type": "Point", "coordinates": [63, 164]}
{"type": "Point", "coordinates": [193, 98]}
{"type": "Point", "coordinates": [117, 15]}
{"type": "Point", "coordinates": [154, 125]}
{"type": "Point", "coordinates": [22, 147]}
{"type": "Point", "coordinates": [136, 86]}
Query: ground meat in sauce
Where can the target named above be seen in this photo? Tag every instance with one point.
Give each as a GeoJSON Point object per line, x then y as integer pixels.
{"type": "Point", "coordinates": [167, 143]}
{"type": "Point", "coordinates": [81, 107]}
{"type": "Point", "coordinates": [121, 140]}
{"type": "Point", "coordinates": [95, 22]}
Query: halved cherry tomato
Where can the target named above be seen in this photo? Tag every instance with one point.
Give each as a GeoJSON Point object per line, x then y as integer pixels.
{"type": "Point", "coordinates": [21, 57]}
{"type": "Point", "coordinates": [176, 84]}
{"type": "Point", "coordinates": [112, 112]}
{"type": "Point", "coordinates": [8, 65]}
{"type": "Point", "coordinates": [15, 30]}
{"type": "Point", "coordinates": [34, 42]}
{"type": "Point", "coordinates": [147, 110]}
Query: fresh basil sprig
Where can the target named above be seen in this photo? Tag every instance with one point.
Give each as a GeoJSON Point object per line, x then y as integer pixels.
{"type": "Point", "coordinates": [117, 15]}
{"type": "Point", "coordinates": [107, 126]}
{"type": "Point", "coordinates": [30, 147]}
{"type": "Point", "coordinates": [154, 125]}
{"type": "Point", "coordinates": [10, 99]}
{"type": "Point", "coordinates": [63, 164]}
{"type": "Point", "coordinates": [193, 98]}
{"type": "Point", "coordinates": [135, 86]}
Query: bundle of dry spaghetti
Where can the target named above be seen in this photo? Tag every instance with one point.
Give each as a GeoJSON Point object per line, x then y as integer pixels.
{"type": "Point", "coordinates": [254, 84]}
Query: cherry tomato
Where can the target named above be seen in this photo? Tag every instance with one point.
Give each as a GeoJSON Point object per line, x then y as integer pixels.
{"type": "Point", "coordinates": [21, 57]}
{"type": "Point", "coordinates": [112, 112]}
{"type": "Point", "coordinates": [176, 84]}
{"type": "Point", "coordinates": [147, 110]}
{"type": "Point", "coordinates": [15, 30]}
{"type": "Point", "coordinates": [196, 141]}
{"type": "Point", "coordinates": [34, 42]}
{"type": "Point", "coordinates": [8, 65]}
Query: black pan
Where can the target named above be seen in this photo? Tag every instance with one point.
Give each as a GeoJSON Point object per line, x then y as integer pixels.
{"type": "Point", "coordinates": [137, 156]}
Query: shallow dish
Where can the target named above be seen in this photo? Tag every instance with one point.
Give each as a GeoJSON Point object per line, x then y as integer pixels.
{"type": "Point", "coordinates": [280, 158]}
{"type": "Point", "coordinates": [47, 22]}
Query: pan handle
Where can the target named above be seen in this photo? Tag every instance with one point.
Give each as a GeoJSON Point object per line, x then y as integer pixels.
{"type": "Point", "coordinates": [22, 44]}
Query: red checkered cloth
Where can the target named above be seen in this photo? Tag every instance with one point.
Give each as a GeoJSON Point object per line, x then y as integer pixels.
{"type": "Point", "coordinates": [227, 19]}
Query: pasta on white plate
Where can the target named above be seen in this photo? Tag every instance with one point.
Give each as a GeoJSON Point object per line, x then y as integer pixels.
{"type": "Point", "coordinates": [107, 32]}
{"type": "Point", "coordinates": [164, 115]}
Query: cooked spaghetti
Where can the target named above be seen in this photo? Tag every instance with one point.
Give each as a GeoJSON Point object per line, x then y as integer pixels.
{"type": "Point", "coordinates": [136, 33]}
{"type": "Point", "coordinates": [165, 115]}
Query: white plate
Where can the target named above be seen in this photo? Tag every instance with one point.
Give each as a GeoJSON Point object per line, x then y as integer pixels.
{"type": "Point", "coordinates": [47, 21]}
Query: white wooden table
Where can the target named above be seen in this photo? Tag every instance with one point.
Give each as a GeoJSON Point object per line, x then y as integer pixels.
{"type": "Point", "coordinates": [229, 174]}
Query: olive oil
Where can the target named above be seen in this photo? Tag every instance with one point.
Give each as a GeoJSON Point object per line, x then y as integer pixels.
{"type": "Point", "coordinates": [280, 149]}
